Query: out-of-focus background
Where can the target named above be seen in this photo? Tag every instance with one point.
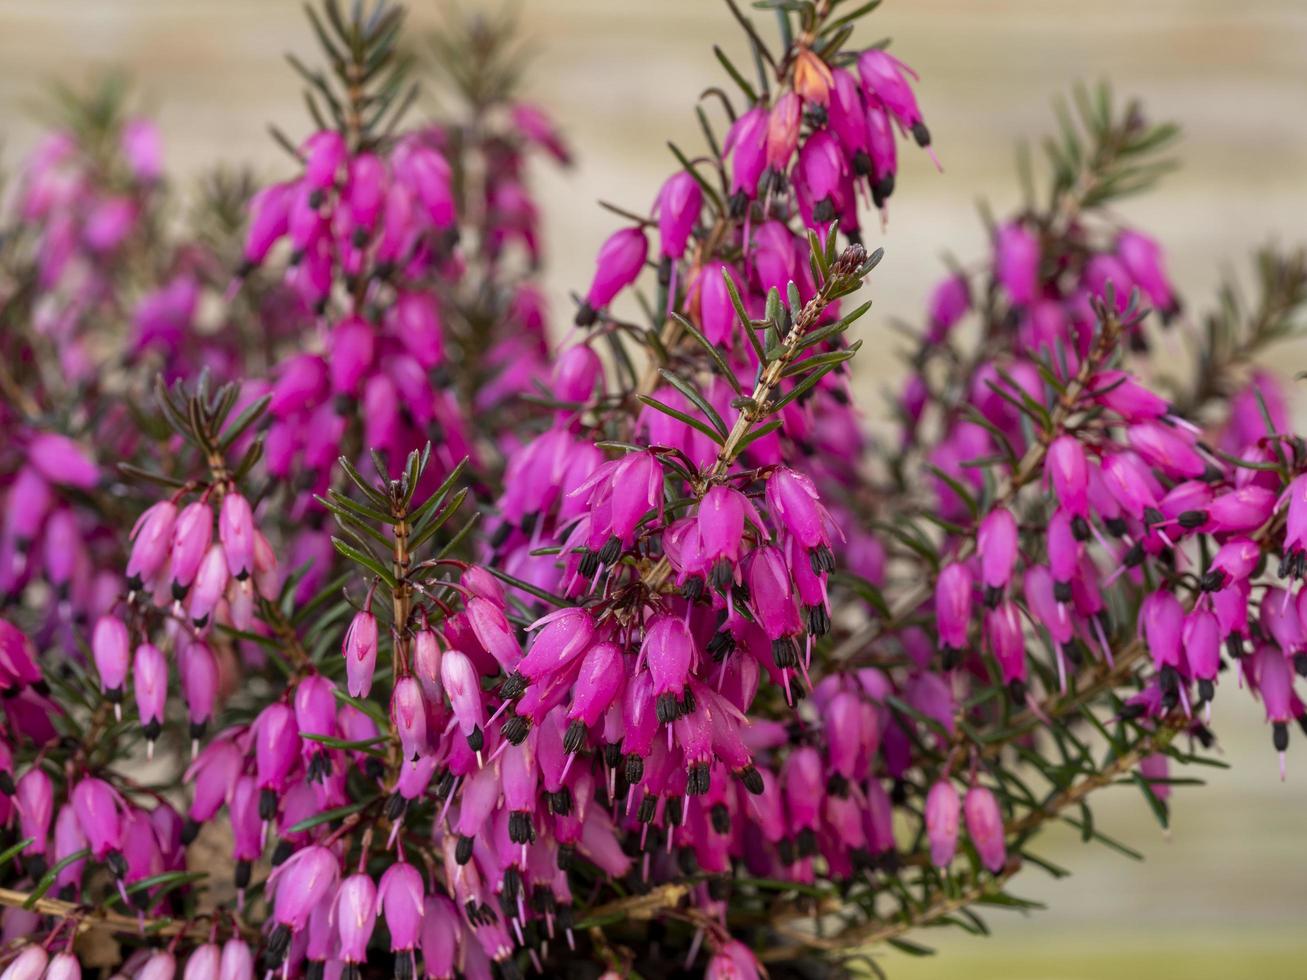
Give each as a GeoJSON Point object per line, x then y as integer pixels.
{"type": "Point", "coordinates": [1224, 895]}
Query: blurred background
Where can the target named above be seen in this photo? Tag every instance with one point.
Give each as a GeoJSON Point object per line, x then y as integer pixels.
{"type": "Point", "coordinates": [1224, 894]}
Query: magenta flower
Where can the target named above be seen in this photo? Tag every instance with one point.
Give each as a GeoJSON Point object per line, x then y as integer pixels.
{"type": "Point", "coordinates": [953, 599]}
{"type": "Point", "coordinates": [400, 900]}
{"type": "Point", "coordinates": [996, 541]}
{"type": "Point", "coordinates": [276, 750]}
{"type": "Point", "coordinates": [462, 686]}
{"type": "Point", "coordinates": [949, 303]}
{"type": "Point", "coordinates": [1016, 264]}
{"type": "Point", "coordinates": [1201, 638]}
{"type": "Point", "coordinates": [61, 460]}
{"type": "Point", "coordinates": [99, 814]}
{"type": "Point", "coordinates": [677, 208]}
{"type": "Point", "coordinates": [110, 648]}
{"type": "Point", "coordinates": [151, 540]}
{"type": "Point", "coordinates": [746, 145]}
{"type": "Point", "coordinates": [618, 263]}
{"type": "Point", "coordinates": [884, 78]}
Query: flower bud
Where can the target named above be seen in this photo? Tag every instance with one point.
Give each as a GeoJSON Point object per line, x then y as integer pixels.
{"type": "Point", "coordinates": [417, 324]}
{"type": "Point", "coordinates": [783, 131]}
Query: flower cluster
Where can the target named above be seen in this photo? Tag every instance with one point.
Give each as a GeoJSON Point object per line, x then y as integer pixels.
{"type": "Point", "coordinates": [706, 678]}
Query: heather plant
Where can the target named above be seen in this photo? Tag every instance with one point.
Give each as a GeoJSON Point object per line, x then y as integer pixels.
{"type": "Point", "coordinates": [355, 624]}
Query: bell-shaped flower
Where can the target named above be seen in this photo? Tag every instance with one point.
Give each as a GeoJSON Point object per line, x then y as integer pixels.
{"type": "Point", "coordinates": [943, 810]}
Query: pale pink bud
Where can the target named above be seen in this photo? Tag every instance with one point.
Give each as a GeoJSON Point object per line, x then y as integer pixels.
{"type": "Point", "coordinates": [356, 916]}
{"type": "Point", "coordinates": [985, 827]}
{"type": "Point", "coordinates": [27, 965]}
{"type": "Point", "coordinates": [408, 717]}
{"type": "Point", "coordinates": [360, 650]}
{"type": "Point", "coordinates": [942, 812]}
{"type": "Point", "coordinates": [400, 900]}
{"type": "Point", "coordinates": [111, 649]}
{"type": "Point", "coordinates": [237, 961]}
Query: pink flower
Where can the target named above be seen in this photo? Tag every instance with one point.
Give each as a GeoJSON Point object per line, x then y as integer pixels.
{"type": "Point", "coordinates": [360, 651]}
{"type": "Point", "coordinates": [150, 677]}
{"type": "Point", "coordinates": [985, 827]}
{"type": "Point", "coordinates": [356, 915]}
{"type": "Point", "coordinates": [299, 885]}
{"type": "Point", "coordinates": [400, 900]}
{"type": "Point", "coordinates": [618, 263]}
{"type": "Point", "coordinates": [884, 78]}
{"type": "Point", "coordinates": [143, 149]}
{"type": "Point", "coordinates": [236, 531]}
{"type": "Point", "coordinates": [61, 460]}
{"type": "Point", "coordinates": [953, 599]}
{"type": "Point", "coordinates": [943, 810]}
{"type": "Point", "coordinates": [996, 542]}
{"type": "Point", "coordinates": [949, 303]}
{"type": "Point", "coordinates": [677, 208]}
{"type": "Point", "coordinates": [1016, 264]}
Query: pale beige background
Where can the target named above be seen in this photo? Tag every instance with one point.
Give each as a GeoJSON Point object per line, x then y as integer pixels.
{"type": "Point", "coordinates": [1225, 895]}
